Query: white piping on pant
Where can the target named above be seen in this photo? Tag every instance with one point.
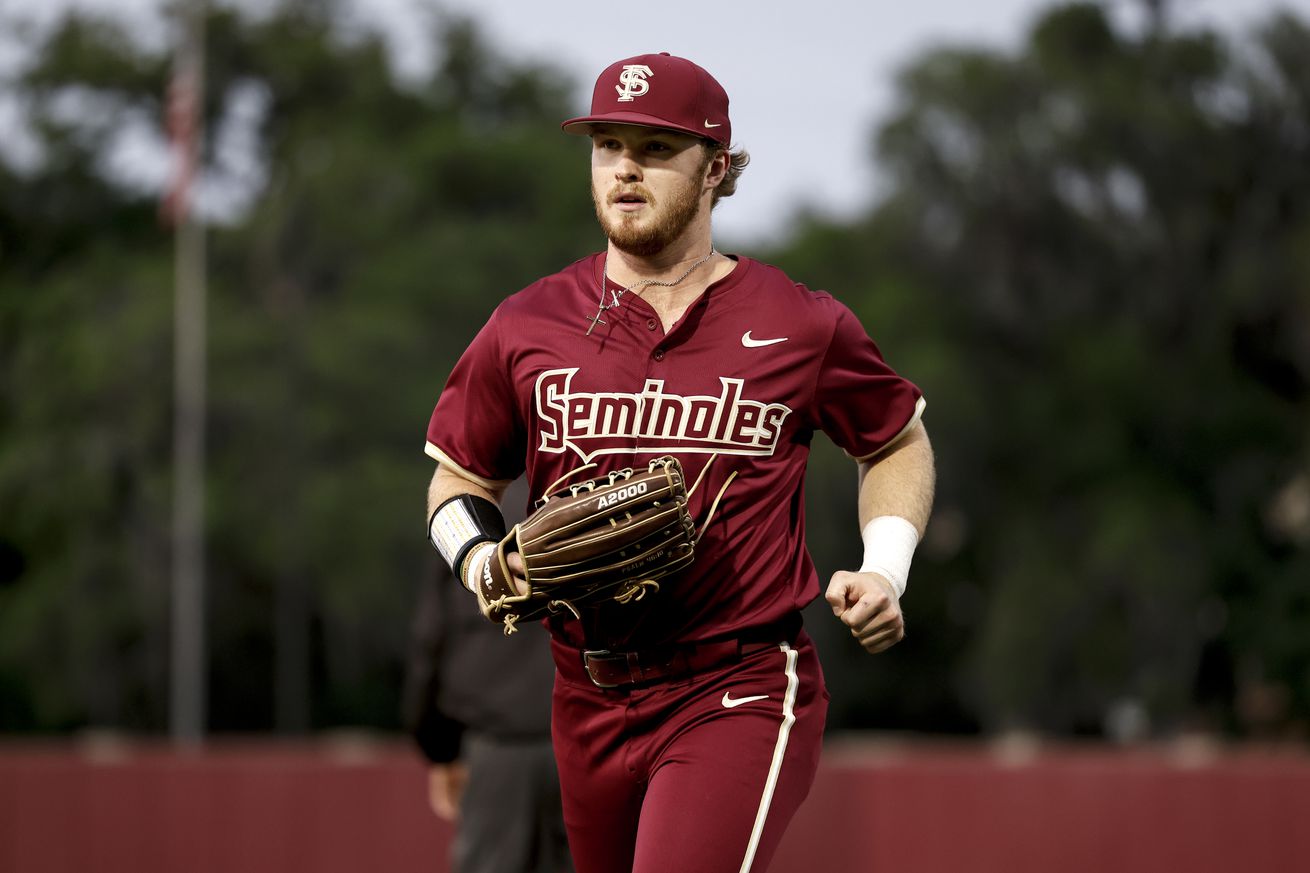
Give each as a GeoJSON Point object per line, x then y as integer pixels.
{"type": "Point", "coordinates": [779, 752]}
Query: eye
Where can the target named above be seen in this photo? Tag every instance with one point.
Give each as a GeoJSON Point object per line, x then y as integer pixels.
{"type": "Point", "coordinates": [657, 146]}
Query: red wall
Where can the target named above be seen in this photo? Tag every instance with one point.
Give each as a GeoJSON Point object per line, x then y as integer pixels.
{"type": "Point", "coordinates": [231, 809]}
{"type": "Point", "coordinates": [328, 807]}
{"type": "Point", "coordinates": [1024, 810]}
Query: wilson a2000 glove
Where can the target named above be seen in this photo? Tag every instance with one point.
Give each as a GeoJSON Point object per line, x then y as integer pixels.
{"type": "Point", "coordinates": [608, 538]}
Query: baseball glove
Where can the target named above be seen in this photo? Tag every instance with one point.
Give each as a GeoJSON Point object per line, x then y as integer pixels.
{"type": "Point", "coordinates": [606, 539]}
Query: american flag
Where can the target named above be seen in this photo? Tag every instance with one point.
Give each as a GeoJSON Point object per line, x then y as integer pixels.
{"type": "Point", "coordinates": [182, 124]}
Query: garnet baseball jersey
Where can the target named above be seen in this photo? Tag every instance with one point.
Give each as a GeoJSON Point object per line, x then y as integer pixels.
{"type": "Point", "coordinates": [750, 371]}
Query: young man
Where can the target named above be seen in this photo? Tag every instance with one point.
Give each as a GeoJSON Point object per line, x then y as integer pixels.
{"type": "Point", "coordinates": [687, 725]}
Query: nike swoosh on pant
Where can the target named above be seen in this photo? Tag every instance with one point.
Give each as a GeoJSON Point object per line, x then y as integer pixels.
{"type": "Point", "coordinates": [729, 702]}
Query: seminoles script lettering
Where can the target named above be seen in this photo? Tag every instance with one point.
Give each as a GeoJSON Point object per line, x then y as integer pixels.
{"type": "Point", "coordinates": [589, 424]}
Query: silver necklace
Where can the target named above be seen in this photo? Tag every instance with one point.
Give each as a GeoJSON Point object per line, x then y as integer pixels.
{"type": "Point", "coordinates": [602, 307]}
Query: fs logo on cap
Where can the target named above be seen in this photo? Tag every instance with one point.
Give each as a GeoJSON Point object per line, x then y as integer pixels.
{"type": "Point", "coordinates": [634, 84]}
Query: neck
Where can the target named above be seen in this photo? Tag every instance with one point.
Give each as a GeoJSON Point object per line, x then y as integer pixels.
{"type": "Point", "coordinates": [627, 269]}
{"type": "Point", "coordinates": [694, 243]}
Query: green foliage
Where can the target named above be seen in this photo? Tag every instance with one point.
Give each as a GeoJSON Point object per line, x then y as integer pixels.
{"type": "Point", "coordinates": [1095, 251]}
{"type": "Point", "coordinates": [392, 221]}
{"type": "Point", "coordinates": [1094, 256]}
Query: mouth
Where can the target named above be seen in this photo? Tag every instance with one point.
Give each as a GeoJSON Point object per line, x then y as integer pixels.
{"type": "Point", "coordinates": [628, 201]}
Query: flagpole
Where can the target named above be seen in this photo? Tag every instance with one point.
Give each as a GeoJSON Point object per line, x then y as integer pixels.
{"type": "Point", "coordinates": [189, 667]}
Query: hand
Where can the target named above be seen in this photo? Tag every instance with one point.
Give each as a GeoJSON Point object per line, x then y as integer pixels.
{"type": "Point", "coordinates": [446, 789]}
{"type": "Point", "coordinates": [518, 577]}
{"type": "Point", "coordinates": [519, 580]}
{"type": "Point", "coordinates": [868, 605]}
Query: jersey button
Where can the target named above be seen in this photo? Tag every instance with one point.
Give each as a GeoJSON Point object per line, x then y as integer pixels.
{"type": "Point", "coordinates": [651, 324]}
{"type": "Point", "coordinates": [658, 355]}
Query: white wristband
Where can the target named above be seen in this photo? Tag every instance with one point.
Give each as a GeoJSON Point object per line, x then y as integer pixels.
{"type": "Point", "coordinates": [889, 543]}
{"type": "Point", "coordinates": [473, 564]}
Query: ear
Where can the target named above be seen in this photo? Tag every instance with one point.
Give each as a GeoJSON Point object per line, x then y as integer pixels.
{"type": "Point", "coordinates": [717, 168]}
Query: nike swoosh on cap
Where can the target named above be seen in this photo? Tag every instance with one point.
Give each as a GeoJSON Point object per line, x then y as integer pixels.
{"type": "Point", "coordinates": [730, 702]}
{"type": "Point", "coordinates": [751, 343]}
{"type": "Point", "coordinates": [707, 124]}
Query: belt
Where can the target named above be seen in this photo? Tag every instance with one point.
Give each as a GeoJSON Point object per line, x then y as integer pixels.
{"type": "Point", "coordinates": [632, 669]}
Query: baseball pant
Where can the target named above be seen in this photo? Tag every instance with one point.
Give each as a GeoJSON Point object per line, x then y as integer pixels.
{"type": "Point", "coordinates": [698, 775]}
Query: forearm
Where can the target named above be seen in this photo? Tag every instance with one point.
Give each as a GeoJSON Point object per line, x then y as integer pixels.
{"type": "Point", "coordinates": [466, 534]}
{"type": "Point", "coordinates": [446, 483]}
{"type": "Point", "coordinates": [896, 488]}
{"type": "Point", "coordinates": [454, 535]}
{"type": "Point", "coordinates": [900, 482]}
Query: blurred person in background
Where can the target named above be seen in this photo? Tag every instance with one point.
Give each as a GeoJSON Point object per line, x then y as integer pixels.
{"type": "Point", "coordinates": [478, 705]}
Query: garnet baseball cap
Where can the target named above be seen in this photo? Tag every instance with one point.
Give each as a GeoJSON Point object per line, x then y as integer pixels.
{"type": "Point", "coordinates": [658, 91]}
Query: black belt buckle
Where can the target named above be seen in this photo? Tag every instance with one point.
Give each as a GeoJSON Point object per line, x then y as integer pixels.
{"type": "Point", "coordinates": [629, 661]}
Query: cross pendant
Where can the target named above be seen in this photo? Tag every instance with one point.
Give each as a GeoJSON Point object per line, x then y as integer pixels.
{"type": "Point", "coordinates": [595, 320]}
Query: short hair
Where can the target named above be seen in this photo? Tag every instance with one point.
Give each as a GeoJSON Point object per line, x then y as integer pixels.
{"type": "Point", "coordinates": [737, 161]}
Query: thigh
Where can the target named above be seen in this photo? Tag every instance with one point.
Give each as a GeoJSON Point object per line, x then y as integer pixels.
{"type": "Point", "coordinates": [600, 790]}
{"type": "Point", "coordinates": [731, 774]}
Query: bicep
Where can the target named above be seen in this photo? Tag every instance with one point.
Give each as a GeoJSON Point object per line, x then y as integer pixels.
{"type": "Point", "coordinates": [859, 401]}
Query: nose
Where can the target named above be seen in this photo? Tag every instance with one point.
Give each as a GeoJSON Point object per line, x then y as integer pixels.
{"type": "Point", "coordinates": [627, 169]}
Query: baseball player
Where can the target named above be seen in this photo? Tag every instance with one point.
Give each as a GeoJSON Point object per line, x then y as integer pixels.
{"type": "Point", "coordinates": [687, 723]}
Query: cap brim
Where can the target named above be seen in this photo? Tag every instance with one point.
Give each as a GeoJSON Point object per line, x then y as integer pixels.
{"type": "Point", "coordinates": [581, 126]}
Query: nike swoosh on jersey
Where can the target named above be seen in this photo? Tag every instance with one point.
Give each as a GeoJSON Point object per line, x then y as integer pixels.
{"type": "Point", "coordinates": [729, 702]}
{"type": "Point", "coordinates": [752, 343]}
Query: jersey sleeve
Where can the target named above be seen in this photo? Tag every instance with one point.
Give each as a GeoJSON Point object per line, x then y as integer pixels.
{"type": "Point", "coordinates": [476, 427]}
{"type": "Point", "coordinates": [859, 401]}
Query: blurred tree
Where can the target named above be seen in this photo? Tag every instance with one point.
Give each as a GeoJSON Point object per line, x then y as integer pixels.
{"type": "Point", "coordinates": [1093, 256]}
{"type": "Point", "coordinates": [84, 328]}
{"type": "Point", "coordinates": [386, 221]}
{"type": "Point", "coordinates": [392, 224]}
